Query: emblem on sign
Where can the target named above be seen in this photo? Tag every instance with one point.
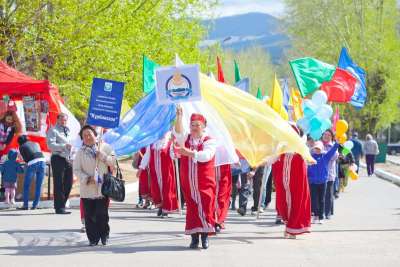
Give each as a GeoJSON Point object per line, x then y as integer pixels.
{"type": "Point", "coordinates": [178, 87]}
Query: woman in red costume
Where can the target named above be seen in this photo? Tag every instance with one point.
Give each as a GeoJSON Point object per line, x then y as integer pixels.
{"type": "Point", "coordinates": [197, 170]}
{"type": "Point", "coordinates": [293, 202]}
{"type": "Point", "coordinates": [162, 173]}
{"type": "Point", "coordinates": [223, 177]}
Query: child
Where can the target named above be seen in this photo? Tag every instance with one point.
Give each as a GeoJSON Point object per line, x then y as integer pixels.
{"type": "Point", "coordinates": [345, 161]}
{"type": "Point", "coordinates": [10, 169]}
{"type": "Point", "coordinates": [317, 177]}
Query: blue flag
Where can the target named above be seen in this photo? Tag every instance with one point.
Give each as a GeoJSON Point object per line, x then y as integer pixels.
{"type": "Point", "coordinates": [243, 84]}
{"type": "Point", "coordinates": [360, 93]}
{"type": "Point", "coordinates": [143, 125]}
{"type": "Point", "coordinates": [286, 93]}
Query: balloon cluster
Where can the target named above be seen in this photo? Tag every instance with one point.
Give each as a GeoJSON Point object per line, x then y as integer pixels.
{"type": "Point", "coordinates": [317, 115]}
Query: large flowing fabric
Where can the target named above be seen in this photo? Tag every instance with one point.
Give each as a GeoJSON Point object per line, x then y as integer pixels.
{"type": "Point", "coordinates": [257, 131]}
{"type": "Point", "coordinates": [143, 125]}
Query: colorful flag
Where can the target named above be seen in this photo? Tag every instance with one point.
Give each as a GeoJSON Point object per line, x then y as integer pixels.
{"type": "Point", "coordinates": [243, 84]}
{"type": "Point", "coordinates": [310, 73]}
{"type": "Point", "coordinates": [221, 77]}
{"type": "Point", "coordinates": [341, 88]}
{"type": "Point", "coordinates": [259, 94]}
{"type": "Point", "coordinates": [360, 94]}
{"type": "Point", "coordinates": [296, 102]}
{"type": "Point", "coordinates": [277, 100]}
{"type": "Point", "coordinates": [237, 72]}
{"type": "Point", "coordinates": [286, 93]}
{"type": "Point", "coordinates": [149, 81]}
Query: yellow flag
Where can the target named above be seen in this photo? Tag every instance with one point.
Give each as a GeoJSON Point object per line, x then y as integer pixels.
{"type": "Point", "coordinates": [256, 130]}
{"type": "Point", "coordinates": [277, 100]}
{"type": "Point", "coordinates": [296, 102]}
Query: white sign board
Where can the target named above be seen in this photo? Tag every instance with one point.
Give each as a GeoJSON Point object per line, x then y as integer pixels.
{"type": "Point", "coordinates": [177, 84]}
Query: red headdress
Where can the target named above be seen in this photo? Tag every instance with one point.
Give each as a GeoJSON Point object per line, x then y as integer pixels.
{"type": "Point", "coordinates": [198, 117]}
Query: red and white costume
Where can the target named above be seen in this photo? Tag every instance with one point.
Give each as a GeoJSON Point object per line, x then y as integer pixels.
{"type": "Point", "coordinates": [292, 193]}
{"type": "Point", "coordinates": [144, 179]}
{"type": "Point", "coordinates": [162, 173]}
{"type": "Point", "coordinates": [223, 177]}
{"type": "Point", "coordinates": [198, 183]}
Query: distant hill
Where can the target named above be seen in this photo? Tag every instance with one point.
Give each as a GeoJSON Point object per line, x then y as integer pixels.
{"type": "Point", "coordinates": [241, 31]}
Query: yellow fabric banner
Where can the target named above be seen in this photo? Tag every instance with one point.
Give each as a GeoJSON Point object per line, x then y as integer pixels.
{"type": "Point", "coordinates": [257, 131]}
{"type": "Point", "coordinates": [296, 101]}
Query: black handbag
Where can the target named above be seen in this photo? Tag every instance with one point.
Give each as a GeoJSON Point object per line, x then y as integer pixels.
{"type": "Point", "coordinates": [114, 186]}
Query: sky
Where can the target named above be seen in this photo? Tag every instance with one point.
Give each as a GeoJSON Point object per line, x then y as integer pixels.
{"type": "Point", "coordinates": [233, 7]}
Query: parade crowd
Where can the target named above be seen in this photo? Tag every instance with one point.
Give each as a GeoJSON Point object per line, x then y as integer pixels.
{"type": "Point", "coordinates": [305, 191]}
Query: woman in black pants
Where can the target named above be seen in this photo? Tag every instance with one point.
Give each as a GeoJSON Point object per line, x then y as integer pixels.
{"type": "Point", "coordinates": [92, 161]}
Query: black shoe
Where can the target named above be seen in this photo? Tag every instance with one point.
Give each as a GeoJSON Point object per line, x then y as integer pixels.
{"type": "Point", "coordinates": [204, 241]}
{"type": "Point", "coordinates": [62, 211]}
{"type": "Point", "coordinates": [93, 244]}
{"type": "Point", "coordinates": [217, 228]}
{"type": "Point", "coordinates": [104, 240]}
{"type": "Point", "coordinates": [22, 208]}
{"type": "Point", "coordinates": [35, 208]}
{"type": "Point", "coordinates": [278, 221]}
{"type": "Point", "coordinates": [159, 212]}
{"type": "Point", "coordinates": [241, 211]}
{"type": "Point", "coordinates": [195, 241]}
{"type": "Point", "coordinates": [164, 215]}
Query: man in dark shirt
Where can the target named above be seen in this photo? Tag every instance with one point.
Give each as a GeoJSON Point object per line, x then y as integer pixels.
{"type": "Point", "coordinates": [36, 164]}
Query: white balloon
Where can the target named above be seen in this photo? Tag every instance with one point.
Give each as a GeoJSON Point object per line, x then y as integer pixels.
{"type": "Point", "coordinates": [348, 144]}
{"type": "Point", "coordinates": [319, 98]}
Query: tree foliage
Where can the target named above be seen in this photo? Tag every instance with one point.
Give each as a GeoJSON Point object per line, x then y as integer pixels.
{"type": "Point", "coordinates": [254, 63]}
{"type": "Point", "coordinates": [71, 41]}
{"type": "Point", "coordinates": [369, 29]}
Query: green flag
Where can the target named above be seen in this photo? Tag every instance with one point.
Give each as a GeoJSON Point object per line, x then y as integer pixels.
{"type": "Point", "coordinates": [310, 73]}
{"type": "Point", "coordinates": [149, 81]}
{"type": "Point", "coordinates": [237, 72]}
{"type": "Point", "coordinates": [259, 94]}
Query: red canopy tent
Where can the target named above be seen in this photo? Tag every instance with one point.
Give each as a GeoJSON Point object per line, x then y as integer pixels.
{"type": "Point", "coordinates": [18, 85]}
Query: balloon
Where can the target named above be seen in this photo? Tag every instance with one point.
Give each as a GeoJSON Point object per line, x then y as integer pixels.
{"type": "Point", "coordinates": [316, 134]}
{"type": "Point", "coordinates": [319, 98]}
{"type": "Point", "coordinates": [325, 111]}
{"type": "Point", "coordinates": [353, 175]}
{"type": "Point", "coordinates": [345, 151]}
{"type": "Point", "coordinates": [341, 127]}
{"type": "Point", "coordinates": [309, 108]}
{"type": "Point", "coordinates": [342, 138]}
{"type": "Point", "coordinates": [326, 124]}
{"type": "Point", "coordinates": [348, 144]}
{"type": "Point", "coordinates": [304, 124]}
{"type": "Point", "coordinates": [315, 123]}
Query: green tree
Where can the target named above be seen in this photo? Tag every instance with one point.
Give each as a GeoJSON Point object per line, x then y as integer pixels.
{"type": "Point", "coordinates": [320, 28]}
{"type": "Point", "coordinates": [254, 63]}
{"type": "Point", "coordinates": [71, 41]}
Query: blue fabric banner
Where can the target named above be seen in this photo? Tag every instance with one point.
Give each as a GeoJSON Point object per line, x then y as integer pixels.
{"type": "Point", "coordinates": [143, 125]}
{"type": "Point", "coordinates": [360, 93]}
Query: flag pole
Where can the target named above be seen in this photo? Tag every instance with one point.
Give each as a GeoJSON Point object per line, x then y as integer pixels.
{"type": "Point", "coordinates": [178, 185]}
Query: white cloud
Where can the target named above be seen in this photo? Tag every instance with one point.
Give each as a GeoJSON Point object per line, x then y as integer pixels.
{"type": "Point", "coordinates": [233, 7]}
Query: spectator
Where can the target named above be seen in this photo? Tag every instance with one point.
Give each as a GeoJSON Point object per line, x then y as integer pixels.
{"type": "Point", "coordinates": [36, 165]}
{"type": "Point", "coordinates": [9, 126]}
{"type": "Point", "coordinates": [357, 150]}
{"type": "Point", "coordinates": [59, 144]}
{"type": "Point", "coordinates": [90, 165]}
{"type": "Point", "coordinates": [371, 150]}
{"type": "Point", "coordinates": [9, 172]}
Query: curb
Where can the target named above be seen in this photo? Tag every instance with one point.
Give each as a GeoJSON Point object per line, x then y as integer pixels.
{"type": "Point", "coordinates": [385, 175]}
{"type": "Point", "coordinates": [394, 162]}
{"type": "Point", "coordinates": [74, 202]}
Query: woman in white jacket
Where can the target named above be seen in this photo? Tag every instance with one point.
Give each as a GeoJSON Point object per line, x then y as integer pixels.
{"type": "Point", "coordinates": [91, 163]}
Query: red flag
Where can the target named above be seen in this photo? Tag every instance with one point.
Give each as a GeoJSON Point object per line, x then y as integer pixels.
{"type": "Point", "coordinates": [220, 72]}
{"type": "Point", "coordinates": [335, 118]}
{"type": "Point", "coordinates": [341, 87]}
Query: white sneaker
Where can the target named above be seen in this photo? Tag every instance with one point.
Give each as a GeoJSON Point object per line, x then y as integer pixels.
{"type": "Point", "coordinates": [321, 221]}
{"type": "Point", "coordinates": [314, 219]}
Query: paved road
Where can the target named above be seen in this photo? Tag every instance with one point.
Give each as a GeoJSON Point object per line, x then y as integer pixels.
{"type": "Point", "coordinates": [365, 231]}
